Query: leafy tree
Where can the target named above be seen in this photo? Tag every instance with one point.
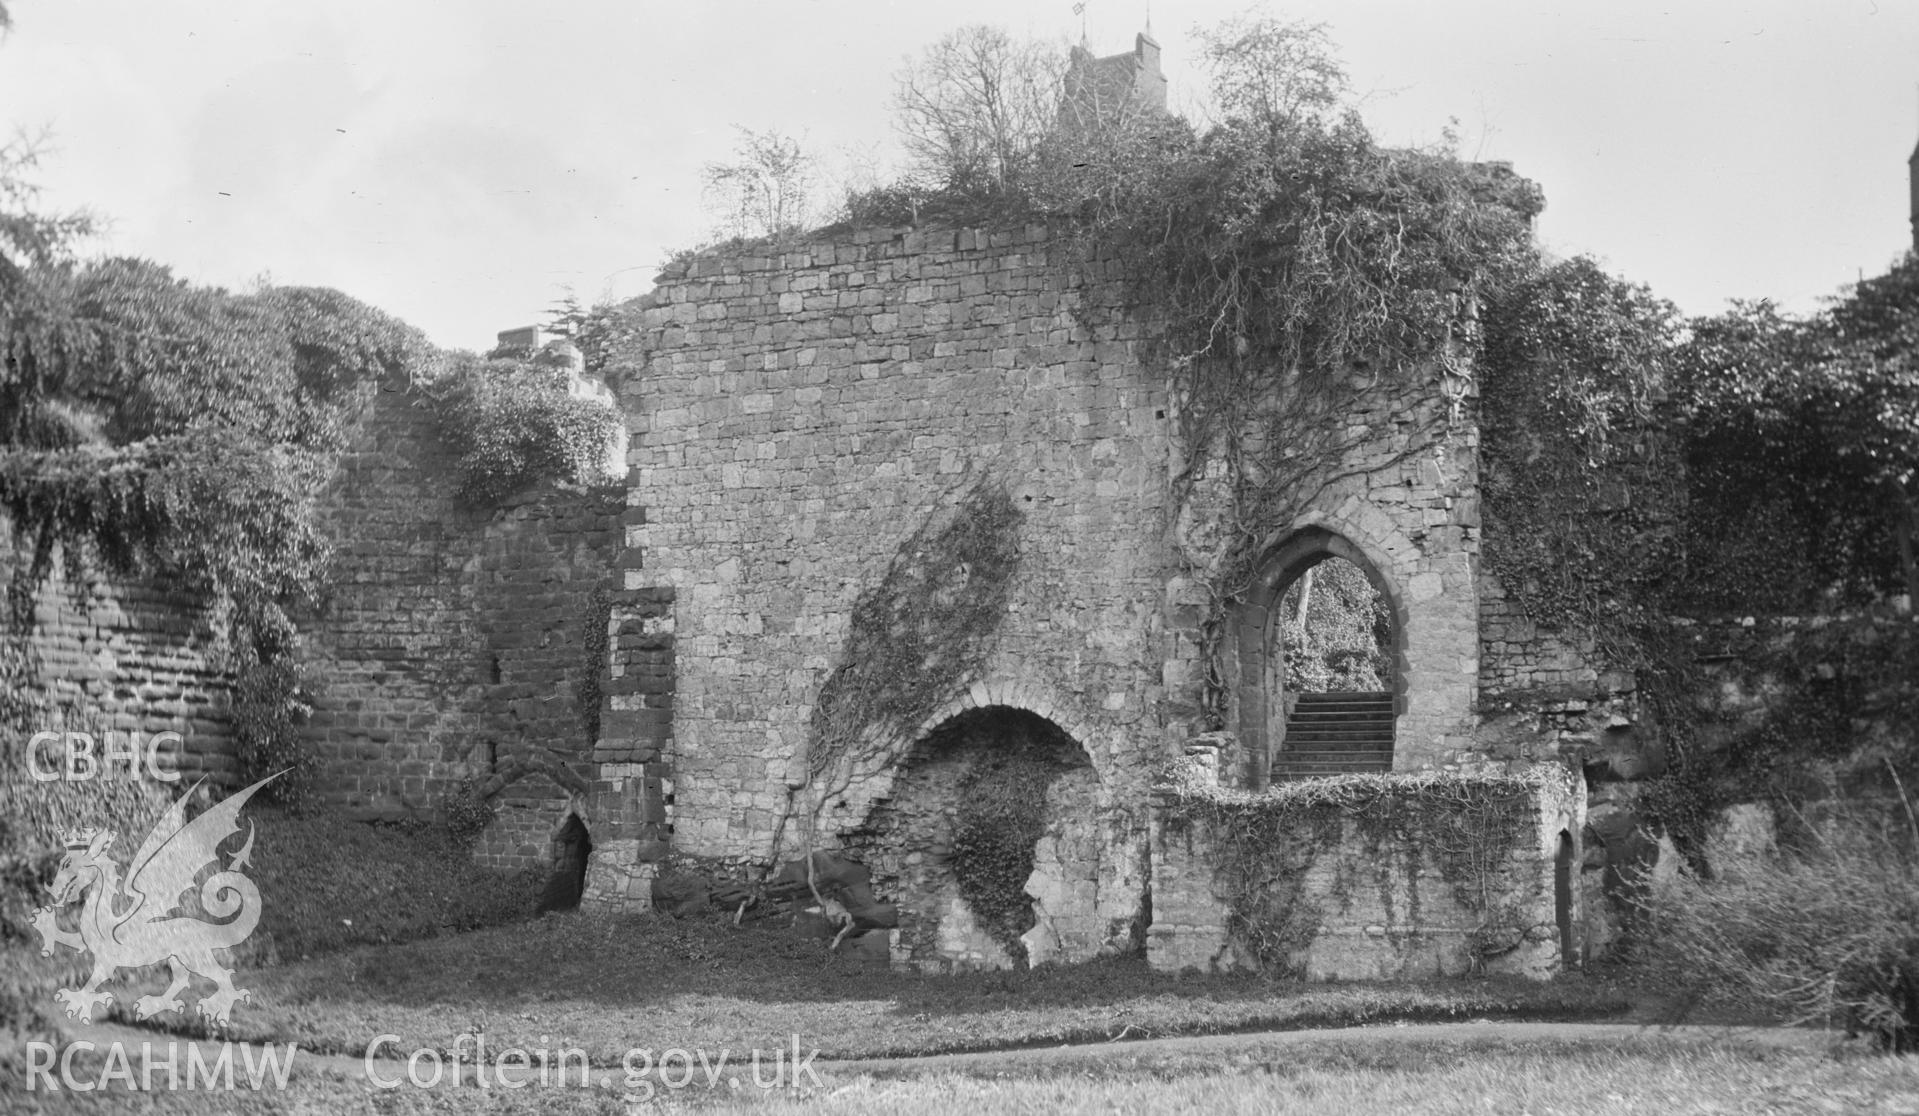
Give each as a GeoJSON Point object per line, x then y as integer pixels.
{"type": "Point", "coordinates": [766, 191]}
{"type": "Point", "coordinates": [1336, 630]}
{"type": "Point", "coordinates": [974, 108]}
{"type": "Point", "coordinates": [600, 331]}
{"type": "Point", "coordinates": [513, 423]}
{"type": "Point", "coordinates": [173, 432]}
{"type": "Point", "coordinates": [1272, 71]}
{"type": "Point", "coordinates": [1809, 429]}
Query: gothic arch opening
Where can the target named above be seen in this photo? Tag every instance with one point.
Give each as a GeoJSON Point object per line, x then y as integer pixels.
{"type": "Point", "coordinates": [989, 844]}
{"type": "Point", "coordinates": [1321, 644]}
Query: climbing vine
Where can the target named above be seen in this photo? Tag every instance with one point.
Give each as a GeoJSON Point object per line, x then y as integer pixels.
{"type": "Point", "coordinates": [917, 637]}
{"type": "Point", "coordinates": [468, 811]}
{"type": "Point", "coordinates": [1262, 846]}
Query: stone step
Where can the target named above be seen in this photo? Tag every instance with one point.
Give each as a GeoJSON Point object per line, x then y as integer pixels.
{"type": "Point", "coordinates": [1309, 731]}
{"type": "Point", "coordinates": [1361, 716]}
{"type": "Point", "coordinates": [1337, 733]}
{"type": "Point", "coordinates": [1381, 717]}
{"type": "Point", "coordinates": [1346, 697]}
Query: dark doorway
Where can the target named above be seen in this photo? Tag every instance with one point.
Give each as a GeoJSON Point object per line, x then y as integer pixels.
{"type": "Point", "coordinates": [571, 847]}
{"type": "Point", "coordinates": [1563, 901]}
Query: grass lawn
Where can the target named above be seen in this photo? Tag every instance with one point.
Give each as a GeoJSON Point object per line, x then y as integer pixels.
{"type": "Point", "coordinates": [610, 985]}
{"type": "Point", "coordinates": [1332, 1079]}
{"type": "Point", "coordinates": [1324, 1076]}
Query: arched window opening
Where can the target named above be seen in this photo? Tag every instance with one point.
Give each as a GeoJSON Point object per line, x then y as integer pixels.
{"type": "Point", "coordinates": [1320, 644]}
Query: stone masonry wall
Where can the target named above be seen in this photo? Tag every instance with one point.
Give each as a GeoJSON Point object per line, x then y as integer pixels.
{"type": "Point", "coordinates": [797, 416]}
{"type": "Point", "coordinates": [1382, 914]}
{"type": "Point", "coordinates": [460, 642]}
{"type": "Point", "coordinates": [1403, 491]}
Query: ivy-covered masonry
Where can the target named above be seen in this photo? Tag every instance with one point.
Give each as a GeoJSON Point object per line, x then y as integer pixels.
{"type": "Point", "coordinates": [918, 490]}
{"type": "Point", "coordinates": [1368, 876]}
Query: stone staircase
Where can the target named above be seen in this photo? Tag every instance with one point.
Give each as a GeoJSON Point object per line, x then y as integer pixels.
{"type": "Point", "coordinates": [1332, 734]}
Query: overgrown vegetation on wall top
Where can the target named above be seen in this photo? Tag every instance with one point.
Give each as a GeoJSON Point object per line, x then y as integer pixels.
{"type": "Point", "coordinates": [152, 427]}
{"type": "Point", "coordinates": [512, 423]}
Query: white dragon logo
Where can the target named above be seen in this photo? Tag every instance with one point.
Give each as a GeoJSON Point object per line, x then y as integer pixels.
{"type": "Point", "coordinates": [127, 926]}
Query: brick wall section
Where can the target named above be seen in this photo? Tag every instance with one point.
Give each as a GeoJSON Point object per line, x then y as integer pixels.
{"type": "Point", "coordinates": [1385, 914]}
{"type": "Point", "coordinates": [464, 642]}
{"type": "Point", "coordinates": [117, 657]}
{"type": "Point", "coordinates": [395, 657]}
{"type": "Point", "coordinates": [796, 417]}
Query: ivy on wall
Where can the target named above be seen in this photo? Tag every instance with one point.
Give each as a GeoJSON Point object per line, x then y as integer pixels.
{"type": "Point", "coordinates": [1001, 816]}
{"type": "Point", "coordinates": [917, 637]}
{"type": "Point", "coordinates": [1583, 499]}
{"type": "Point", "coordinates": [1262, 846]}
{"type": "Point", "coordinates": [153, 428]}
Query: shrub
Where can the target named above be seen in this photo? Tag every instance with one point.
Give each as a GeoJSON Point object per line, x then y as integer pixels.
{"type": "Point", "coordinates": [513, 425]}
{"type": "Point", "coordinates": [468, 812]}
{"type": "Point", "coordinates": [1825, 932]}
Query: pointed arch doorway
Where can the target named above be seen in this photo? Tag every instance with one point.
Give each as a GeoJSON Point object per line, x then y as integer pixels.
{"type": "Point", "coordinates": [1321, 649]}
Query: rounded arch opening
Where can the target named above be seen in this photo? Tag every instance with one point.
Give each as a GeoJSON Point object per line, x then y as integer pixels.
{"type": "Point", "coordinates": [1321, 649]}
{"type": "Point", "coordinates": [990, 806]}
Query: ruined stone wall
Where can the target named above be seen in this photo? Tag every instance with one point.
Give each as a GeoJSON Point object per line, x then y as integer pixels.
{"type": "Point", "coordinates": [118, 657]}
{"type": "Point", "coordinates": [1521, 661]}
{"type": "Point", "coordinates": [797, 417]}
{"type": "Point", "coordinates": [1361, 908]}
{"type": "Point", "coordinates": [459, 641]}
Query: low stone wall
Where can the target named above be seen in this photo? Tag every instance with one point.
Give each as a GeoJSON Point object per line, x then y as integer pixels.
{"type": "Point", "coordinates": [1368, 877]}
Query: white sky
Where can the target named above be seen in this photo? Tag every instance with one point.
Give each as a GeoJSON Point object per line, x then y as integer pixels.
{"type": "Point", "coordinates": [459, 164]}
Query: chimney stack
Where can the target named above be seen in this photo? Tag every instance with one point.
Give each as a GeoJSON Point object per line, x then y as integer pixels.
{"type": "Point", "coordinates": [1912, 178]}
